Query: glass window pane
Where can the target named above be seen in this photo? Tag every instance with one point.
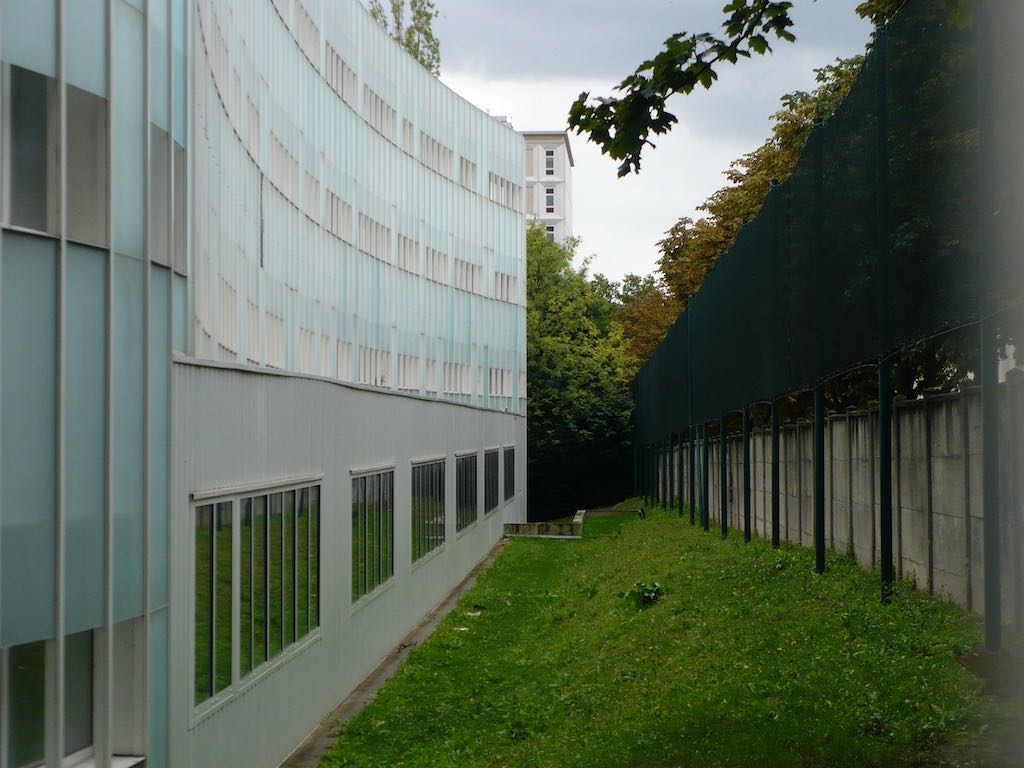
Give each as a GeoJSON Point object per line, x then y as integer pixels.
{"type": "Point", "coordinates": [288, 519]}
{"type": "Point", "coordinates": [30, 34]}
{"type": "Point", "coordinates": [34, 155]}
{"type": "Point", "coordinates": [274, 570]}
{"type": "Point", "coordinates": [85, 423]}
{"type": "Point", "coordinates": [159, 72]}
{"type": "Point", "coordinates": [129, 129]}
{"type": "Point", "coordinates": [85, 50]}
{"type": "Point", "coordinates": [222, 599]}
{"type": "Point", "coordinates": [129, 429]}
{"type": "Point", "coordinates": [88, 184]}
{"type": "Point", "coordinates": [28, 312]}
{"type": "Point", "coordinates": [259, 581]}
{"type": "Point", "coordinates": [77, 692]}
{"type": "Point", "coordinates": [302, 563]}
{"type": "Point", "coordinates": [204, 603]}
{"type": "Point", "coordinates": [389, 527]}
{"type": "Point", "coordinates": [180, 212]}
{"type": "Point", "coordinates": [373, 538]}
{"type": "Point", "coordinates": [159, 194]}
{"type": "Point", "coordinates": [159, 366]}
{"type": "Point", "coordinates": [358, 488]}
{"type": "Point", "coordinates": [245, 589]}
{"type": "Point", "coordinates": [314, 549]}
{"type": "Point", "coordinates": [26, 694]}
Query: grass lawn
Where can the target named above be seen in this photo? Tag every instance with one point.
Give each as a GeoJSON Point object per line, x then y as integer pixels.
{"type": "Point", "coordinates": [748, 658]}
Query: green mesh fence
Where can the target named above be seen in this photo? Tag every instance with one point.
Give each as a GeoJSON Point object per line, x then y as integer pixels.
{"type": "Point", "coordinates": [902, 220]}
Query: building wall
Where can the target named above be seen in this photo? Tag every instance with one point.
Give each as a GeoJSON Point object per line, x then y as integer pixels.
{"type": "Point", "coordinates": [93, 178]}
{"type": "Point", "coordinates": [249, 429]}
{"type": "Point", "coordinates": [538, 181]}
{"type": "Point", "coordinates": [268, 204]}
{"type": "Point", "coordinates": [358, 219]}
{"type": "Point", "coordinates": [937, 492]}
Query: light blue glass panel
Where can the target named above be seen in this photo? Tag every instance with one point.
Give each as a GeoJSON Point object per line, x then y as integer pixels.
{"type": "Point", "coordinates": [159, 352]}
{"type": "Point", "coordinates": [85, 326]}
{"type": "Point", "coordinates": [30, 34]}
{"type": "Point", "coordinates": [179, 68]}
{"type": "Point", "coordinates": [127, 451]}
{"type": "Point", "coordinates": [159, 73]}
{"type": "Point", "coordinates": [129, 130]}
{"type": "Point", "coordinates": [85, 47]}
{"type": "Point", "coordinates": [28, 341]}
{"type": "Point", "coordinates": [156, 750]}
{"type": "Point", "coordinates": [180, 308]}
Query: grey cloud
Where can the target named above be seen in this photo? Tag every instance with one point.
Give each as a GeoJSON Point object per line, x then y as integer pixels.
{"type": "Point", "coordinates": [603, 39]}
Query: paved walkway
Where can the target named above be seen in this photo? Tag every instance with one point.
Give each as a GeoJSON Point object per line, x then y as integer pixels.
{"type": "Point", "coordinates": [312, 750]}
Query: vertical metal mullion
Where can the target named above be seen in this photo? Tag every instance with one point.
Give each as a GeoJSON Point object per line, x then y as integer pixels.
{"type": "Point", "coordinates": [4, 201]}
{"type": "Point", "coordinates": [295, 565]}
{"type": "Point", "coordinates": [104, 732]}
{"type": "Point", "coordinates": [746, 473]}
{"type": "Point", "coordinates": [54, 740]}
{"type": "Point", "coordinates": [143, 685]}
{"type": "Point", "coordinates": [266, 578]}
{"type": "Point", "coordinates": [5, 707]}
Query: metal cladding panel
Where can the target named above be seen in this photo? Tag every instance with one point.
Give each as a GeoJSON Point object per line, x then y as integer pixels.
{"type": "Point", "coordinates": [238, 429]}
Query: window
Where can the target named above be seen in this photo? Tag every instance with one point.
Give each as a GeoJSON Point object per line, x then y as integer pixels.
{"type": "Point", "coordinates": [213, 563]}
{"type": "Point", "coordinates": [550, 231]}
{"type": "Point", "coordinates": [34, 166]}
{"type": "Point", "coordinates": [372, 532]}
{"type": "Point", "coordinates": [31, 714]}
{"type": "Point", "coordinates": [549, 162]}
{"type": "Point", "coordinates": [87, 178]}
{"type": "Point", "coordinates": [510, 473]}
{"type": "Point", "coordinates": [490, 481]}
{"type": "Point", "coordinates": [549, 199]}
{"type": "Point", "coordinates": [278, 581]}
{"type": "Point", "coordinates": [26, 687]}
{"type": "Point", "coordinates": [465, 492]}
{"type": "Point", "coordinates": [427, 508]}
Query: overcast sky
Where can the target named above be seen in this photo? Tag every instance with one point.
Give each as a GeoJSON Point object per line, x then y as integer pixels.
{"type": "Point", "coordinates": [530, 59]}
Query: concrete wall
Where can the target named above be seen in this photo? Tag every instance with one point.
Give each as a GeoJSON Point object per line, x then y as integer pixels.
{"type": "Point", "coordinates": [937, 491]}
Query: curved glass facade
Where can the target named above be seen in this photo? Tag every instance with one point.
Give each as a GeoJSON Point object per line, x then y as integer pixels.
{"type": "Point", "coordinates": [262, 187]}
{"type": "Point", "coordinates": [354, 218]}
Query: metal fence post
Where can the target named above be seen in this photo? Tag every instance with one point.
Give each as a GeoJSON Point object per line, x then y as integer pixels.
{"type": "Point", "coordinates": [819, 477]}
{"type": "Point", "coordinates": [705, 519]}
{"type": "Point", "coordinates": [884, 363]}
{"type": "Point", "coordinates": [692, 488]}
{"type": "Point", "coordinates": [746, 473]}
{"type": "Point", "coordinates": [776, 417]}
{"type": "Point", "coordinates": [819, 367]}
{"type": "Point", "coordinates": [723, 480]}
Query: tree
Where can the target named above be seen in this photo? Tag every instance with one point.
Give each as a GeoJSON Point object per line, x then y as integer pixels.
{"type": "Point", "coordinates": [410, 22]}
{"type": "Point", "coordinates": [646, 311]}
{"type": "Point", "coordinates": [690, 248]}
{"type": "Point", "coordinates": [579, 405]}
{"type": "Point", "coordinates": [623, 125]}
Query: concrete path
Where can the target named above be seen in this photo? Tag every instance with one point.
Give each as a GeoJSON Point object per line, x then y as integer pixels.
{"type": "Point", "coordinates": [311, 751]}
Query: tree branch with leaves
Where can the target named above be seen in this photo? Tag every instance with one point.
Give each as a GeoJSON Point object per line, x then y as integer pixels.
{"type": "Point", "coordinates": [623, 125]}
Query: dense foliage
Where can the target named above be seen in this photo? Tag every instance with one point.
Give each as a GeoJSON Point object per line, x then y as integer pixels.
{"type": "Point", "coordinates": [579, 405]}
